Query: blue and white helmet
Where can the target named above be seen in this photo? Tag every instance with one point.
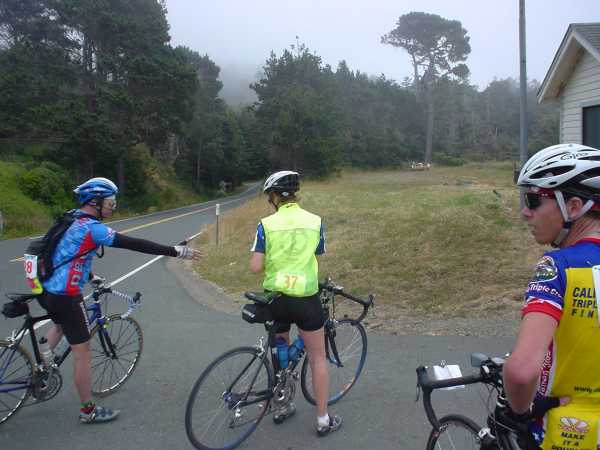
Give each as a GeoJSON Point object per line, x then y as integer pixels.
{"type": "Point", "coordinates": [95, 188]}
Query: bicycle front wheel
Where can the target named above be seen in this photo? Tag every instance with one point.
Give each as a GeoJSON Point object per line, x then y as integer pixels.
{"type": "Point", "coordinates": [456, 433]}
{"type": "Point", "coordinates": [350, 341]}
{"type": "Point", "coordinates": [229, 399]}
{"type": "Point", "coordinates": [16, 375]}
{"type": "Point", "coordinates": [116, 349]}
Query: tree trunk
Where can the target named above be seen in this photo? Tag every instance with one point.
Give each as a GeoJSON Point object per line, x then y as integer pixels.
{"type": "Point", "coordinates": [121, 175]}
{"type": "Point", "coordinates": [416, 81]}
{"type": "Point", "coordinates": [430, 116]}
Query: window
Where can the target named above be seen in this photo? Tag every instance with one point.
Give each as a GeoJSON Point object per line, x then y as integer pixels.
{"type": "Point", "coordinates": [591, 126]}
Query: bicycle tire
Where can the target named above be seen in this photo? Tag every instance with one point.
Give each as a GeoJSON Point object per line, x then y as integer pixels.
{"type": "Point", "coordinates": [351, 342]}
{"type": "Point", "coordinates": [212, 396]}
{"type": "Point", "coordinates": [456, 432]}
{"type": "Point", "coordinates": [16, 369]}
{"type": "Point", "coordinates": [126, 339]}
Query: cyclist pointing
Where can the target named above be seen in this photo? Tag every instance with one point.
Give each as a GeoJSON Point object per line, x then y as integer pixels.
{"type": "Point", "coordinates": [62, 296]}
{"type": "Point", "coordinates": [285, 247]}
{"type": "Point", "coordinates": [557, 353]}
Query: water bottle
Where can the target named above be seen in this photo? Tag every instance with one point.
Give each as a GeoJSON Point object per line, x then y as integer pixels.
{"type": "Point", "coordinates": [46, 352]}
{"type": "Point", "coordinates": [282, 352]}
{"type": "Point", "coordinates": [61, 347]}
{"type": "Point", "coordinates": [295, 349]}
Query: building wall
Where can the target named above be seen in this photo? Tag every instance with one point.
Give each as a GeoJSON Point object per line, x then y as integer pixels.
{"type": "Point", "coordinates": [582, 89]}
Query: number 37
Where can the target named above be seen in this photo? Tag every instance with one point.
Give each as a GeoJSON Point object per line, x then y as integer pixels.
{"type": "Point", "coordinates": [290, 281]}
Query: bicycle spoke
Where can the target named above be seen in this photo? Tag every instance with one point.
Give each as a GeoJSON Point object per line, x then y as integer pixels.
{"type": "Point", "coordinates": [16, 372]}
{"type": "Point", "coordinates": [214, 418]}
{"type": "Point", "coordinates": [350, 342]}
{"type": "Point", "coordinates": [123, 342]}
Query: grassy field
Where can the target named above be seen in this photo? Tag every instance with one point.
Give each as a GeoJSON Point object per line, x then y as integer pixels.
{"type": "Point", "coordinates": [448, 241]}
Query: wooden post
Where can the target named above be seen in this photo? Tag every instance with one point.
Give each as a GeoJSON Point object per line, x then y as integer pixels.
{"type": "Point", "coordinates": [217, 213]}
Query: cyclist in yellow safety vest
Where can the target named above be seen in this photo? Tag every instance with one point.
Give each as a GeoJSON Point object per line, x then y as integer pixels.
{"type": "Point", "coordinates": [285, 247]}
{"type": "Point", "coordinates": [557, 354]}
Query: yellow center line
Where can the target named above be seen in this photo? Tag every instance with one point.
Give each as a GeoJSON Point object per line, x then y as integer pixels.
{"type": "Point", "coordinates": [149, 224]}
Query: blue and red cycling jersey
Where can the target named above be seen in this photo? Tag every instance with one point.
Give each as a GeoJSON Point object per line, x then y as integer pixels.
{"type": "Point", "coordinates": [84, 235]}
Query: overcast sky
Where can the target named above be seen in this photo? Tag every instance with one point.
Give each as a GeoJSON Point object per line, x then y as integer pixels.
{"type": "Point", "coordinates": [239, 34]}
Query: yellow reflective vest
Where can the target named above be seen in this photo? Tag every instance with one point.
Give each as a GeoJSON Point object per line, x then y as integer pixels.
{"type": "Point", "coordinates": [291, 238]}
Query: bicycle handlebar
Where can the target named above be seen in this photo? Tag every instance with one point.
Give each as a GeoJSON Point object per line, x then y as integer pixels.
{"type": "Point", "coordinates": [428, 386]}
{"type": "Point", "coordinates": [330, 286]}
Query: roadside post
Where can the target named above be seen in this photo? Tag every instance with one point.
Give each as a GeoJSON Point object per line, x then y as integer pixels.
{"type": "Point", "coordinates": [217, 213]}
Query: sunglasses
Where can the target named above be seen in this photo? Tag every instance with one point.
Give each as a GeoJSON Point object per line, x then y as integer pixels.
{"type": "Point", "coordinates": [533, 200]}
{"type": "Point", "coordinates": [110, 203]}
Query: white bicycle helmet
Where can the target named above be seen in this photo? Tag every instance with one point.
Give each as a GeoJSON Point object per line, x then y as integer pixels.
{"type": "Point", "coordinates": [570, 169]}
{"type": "Point", "coordinates": [285, 182]}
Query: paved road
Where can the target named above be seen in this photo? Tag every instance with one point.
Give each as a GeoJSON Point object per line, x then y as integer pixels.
{"type": "Point", "coordinates": [181, 336]}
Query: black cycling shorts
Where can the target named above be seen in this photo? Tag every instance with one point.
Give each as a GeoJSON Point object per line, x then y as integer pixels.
{"type": "Point", "coordinates": [68, 312]}
{"type": "Point", "coordinates": [305, 312]}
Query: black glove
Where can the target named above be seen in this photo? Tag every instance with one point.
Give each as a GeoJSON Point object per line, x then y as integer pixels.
{"type": "Point", "coordinates": [541, 405]}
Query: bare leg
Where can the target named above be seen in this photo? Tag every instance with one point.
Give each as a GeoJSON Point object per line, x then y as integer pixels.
{"type": "Point", "coordinates": [54, 335]}
{"type": "Point", "coordinates": [82, 373]}
{"type": "Point", "coordinates": [314, 342]}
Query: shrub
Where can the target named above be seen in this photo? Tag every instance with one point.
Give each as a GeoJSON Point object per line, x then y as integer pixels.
{"type": "Point", "coordinates": [449, 160]}
{"type": "Point", "coordinates": [47, 184]}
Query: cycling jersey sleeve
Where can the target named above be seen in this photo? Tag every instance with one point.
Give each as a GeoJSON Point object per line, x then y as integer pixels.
{"type": "Point", "coordinates": [545, 293]}
{"type": "Point", "coordinates": [321, 247]}
{"type": "Point", "coordinates": [142, 245]}
{"type": "Point", "coordinates": [101, 234]}
{"type": "Point", "coordinates": [259, 240]}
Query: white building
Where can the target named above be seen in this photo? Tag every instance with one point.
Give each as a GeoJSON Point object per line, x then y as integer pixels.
{"type": "Point", "coordinates": [573, 80]}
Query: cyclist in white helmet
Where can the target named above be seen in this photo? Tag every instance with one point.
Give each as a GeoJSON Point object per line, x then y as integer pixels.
{"type": "Point", "coordinates": [557, 355]}
{"type": "Point", "coordinates": [285, 247]}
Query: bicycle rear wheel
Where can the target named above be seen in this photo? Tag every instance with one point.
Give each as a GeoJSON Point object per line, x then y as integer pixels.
{"type": "Point", "coordinates": [456, 433]}
{"type": "Point", "coordinates": [16, 375]}
{"type": "Point", "coordinates": [116, 349]}
{"type": "Point", "coordinates": [214, 418]}
{"type": "Point", "coordinates": [351, 342]}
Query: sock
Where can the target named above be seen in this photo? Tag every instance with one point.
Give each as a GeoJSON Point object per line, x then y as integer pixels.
{"type": "Point", "coordinates": [323, 420]}
{"type": "Point", "coordinates": [87, 407]}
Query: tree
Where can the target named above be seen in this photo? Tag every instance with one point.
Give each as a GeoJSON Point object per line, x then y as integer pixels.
{"type": "Point", "coordinates": [438, 48]}
{"type": "Point", "coordinates": [297, 114]}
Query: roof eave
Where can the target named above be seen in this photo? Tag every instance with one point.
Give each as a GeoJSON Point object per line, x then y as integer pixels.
{"type": "Point", "coordinates": [555, 77]}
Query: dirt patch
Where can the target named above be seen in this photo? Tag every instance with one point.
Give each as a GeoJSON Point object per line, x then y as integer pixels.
{"type": "Point", "coordinates": [488, 316]}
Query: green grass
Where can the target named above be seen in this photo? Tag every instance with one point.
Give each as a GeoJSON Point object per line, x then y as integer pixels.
{"type": "Point", "coordinates": [21, 214]}
{"type": "Point", "coordinates": [444, 241]}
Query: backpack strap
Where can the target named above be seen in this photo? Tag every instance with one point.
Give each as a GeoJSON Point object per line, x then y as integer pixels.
{"type": "Point", "coordinates": [71, 214]}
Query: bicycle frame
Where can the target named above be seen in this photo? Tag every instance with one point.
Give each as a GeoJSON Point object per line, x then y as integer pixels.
{"type": "Point", "coordinates": [16, 340]}
{"type": "Point", "coordinates": [95, 316]}
{"type": "Point", "coordinates": [327, 294]}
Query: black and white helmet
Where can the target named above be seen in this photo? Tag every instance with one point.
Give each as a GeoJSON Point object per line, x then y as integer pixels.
{"type": "Point", "coordinates": [284, 182]}
{"type": "Point", "coordinates": [571, 168]}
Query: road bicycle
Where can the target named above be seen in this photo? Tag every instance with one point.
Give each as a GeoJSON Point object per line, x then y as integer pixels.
{"type": "Point", "coordinates": [455, 431]}
{"type": "Point", "coordinates": [235, 391]}
{"type": "Point", "coordinates": [116, 345]}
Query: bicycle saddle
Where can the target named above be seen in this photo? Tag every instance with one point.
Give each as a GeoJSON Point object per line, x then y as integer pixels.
{"type": "Point", "coordinates": [21, 298]}
{"type": "Point", "coordinates": [262, 298]}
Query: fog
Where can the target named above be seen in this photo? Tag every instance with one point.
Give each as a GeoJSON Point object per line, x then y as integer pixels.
{"type": "Point", "coordinates": [240, 34]}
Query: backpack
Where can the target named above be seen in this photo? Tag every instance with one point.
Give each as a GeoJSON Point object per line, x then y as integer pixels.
{"type": "Point", "coordinates": [38, 255]}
